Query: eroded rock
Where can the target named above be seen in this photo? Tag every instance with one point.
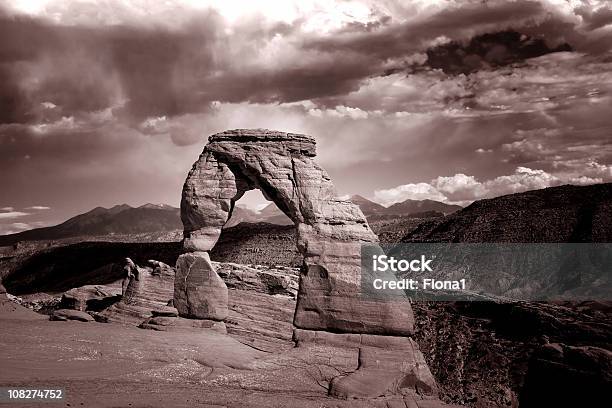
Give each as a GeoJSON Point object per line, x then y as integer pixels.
{"type": "Point", "coordinates": [90, 297]}
{"type": "Point", "coordinates": [70, 314]}
{"type": "Point", "coordinates": [273, 281]}
{"type": "Point", "coordinates": [168, 323]}
{"type": "Point", "coordinates": [330, 231]}
{"type": "Point", "coordinates": [144, 289]}
{"type": "Point", "coordinates": [199, 292]}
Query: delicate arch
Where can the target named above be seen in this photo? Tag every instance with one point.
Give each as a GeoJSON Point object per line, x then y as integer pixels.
{"type": "Point", "coordinates": [330, 232]}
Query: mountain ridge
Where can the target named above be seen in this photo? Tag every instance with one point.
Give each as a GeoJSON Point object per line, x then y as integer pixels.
{"type": "Point", "coordinates": [565, 213]}
{"type": "Point", "coordinates": [123, 219]}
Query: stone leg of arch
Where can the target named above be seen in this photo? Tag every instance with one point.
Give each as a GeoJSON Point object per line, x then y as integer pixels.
{"type": "Point", "coordinates": [199, 293]}
{"type": "Point", "coordinates": [330, 296]}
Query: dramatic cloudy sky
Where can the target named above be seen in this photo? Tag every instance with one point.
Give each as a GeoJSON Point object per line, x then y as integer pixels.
{"type": "Point", "coordinates": [107, 102]}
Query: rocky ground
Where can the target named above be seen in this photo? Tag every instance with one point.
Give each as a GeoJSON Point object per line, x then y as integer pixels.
{"type": "Point", "coordinates": [256, 364]}
{"type": "Point", "coordinates": [479, 353]}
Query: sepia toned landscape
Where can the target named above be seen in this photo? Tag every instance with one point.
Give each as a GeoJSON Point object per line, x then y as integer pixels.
{"type": "Point", "coordinates": [187, 189]}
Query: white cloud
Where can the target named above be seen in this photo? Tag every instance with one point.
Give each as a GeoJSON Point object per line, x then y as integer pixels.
{"type": "Point", "coordinates": [14, 228]}
{"type": "Point", "coordinates": [459, 187]}
{"type": "Point", "coordinates": [12, 214]}
{"type": "Point", "coordinates": [418, 191]}
{"type": "Point", "coordinates": [462, 189]}
{"type": "Point", "coordinates": [343, 111]}
{"type": "Point", "coordinates": [38, 208]}
{"type": "Point", "coordinates": [7, 209]}
{"type": "Point", "coordinates": [20, 226]}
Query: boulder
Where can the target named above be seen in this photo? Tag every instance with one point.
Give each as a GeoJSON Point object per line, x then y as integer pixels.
{"type": "Point", "coordinates": [70, 314]}
{"type": "Point", "coordinates": [90, 297]}
{"type": "Point", "coordinates": [173, 323]}
{"type": "Point", "coordinates": [199, 292]}
{"type": "Point", "coordinates": [144, 289]}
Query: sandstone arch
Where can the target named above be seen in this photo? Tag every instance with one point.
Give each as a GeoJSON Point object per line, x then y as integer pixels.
{"type": "Point", "coordinates": [329, 232]}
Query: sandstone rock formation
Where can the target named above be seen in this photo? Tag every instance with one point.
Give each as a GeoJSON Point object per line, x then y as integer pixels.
{"type": "Point", "coordinates": [90, 297]}
{"type": "Point", "coordinates": [144, 289]}
{"type": "Point", "coordinates": [330, 232]}
{"type": "Point", "coordinates": [387, 365]}
{"type": "Point", "coordinates": [281, 280]}
{"type": "Point", "coordinates": [199, 292]}
{"type": "Point", "coordinates": [70, 314]}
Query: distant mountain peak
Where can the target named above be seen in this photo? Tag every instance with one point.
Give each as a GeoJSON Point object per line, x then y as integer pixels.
{"type": "Point", "coordinates": [118, 208]}
{"type": "Point", "coordinates": [407, 207]}
{"type": "Point", "coordinates": [414, 206]}
{"type": "Point", "coordinates": [151, 206]}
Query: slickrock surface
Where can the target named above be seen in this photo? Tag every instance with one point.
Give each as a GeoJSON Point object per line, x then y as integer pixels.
{"type": "Point", "coordinates": [387, 365]}
{"type": "Point", "coordinates": [330, 231]}
{"type": "Point", "coordinates": [255, 366]}
{"type": "Point", "coordinates": [167, 323]}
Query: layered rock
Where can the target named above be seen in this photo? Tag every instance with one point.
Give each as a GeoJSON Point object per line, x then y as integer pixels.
{"type": "Point", "coordinates": [389, 368]}
{"type": "Point", "coordinates": [144, 289]}
{"type": "Point", "coordinates": [280, 280]}
{"type": "Point", "coordinates": [330, 231]}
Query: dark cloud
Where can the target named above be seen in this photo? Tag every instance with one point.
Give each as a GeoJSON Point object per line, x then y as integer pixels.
{"type": "Point", "coordinates": [97, 108]}
{"type": "Point", "coordinates": [143, 72]}
{"type": "Point", "coordinates": [488, 51]}
{"type": "Point", "coordinates": [460, 22]}
{"type": "Point", "coordinates": [595, 19]}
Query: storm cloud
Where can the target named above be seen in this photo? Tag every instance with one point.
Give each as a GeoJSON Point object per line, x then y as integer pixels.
{"type": "Point", "coordinates": [110, 102]}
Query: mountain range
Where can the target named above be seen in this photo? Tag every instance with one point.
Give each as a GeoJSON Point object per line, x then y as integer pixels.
{"type": "Point", "coordinates": [125, 220]}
